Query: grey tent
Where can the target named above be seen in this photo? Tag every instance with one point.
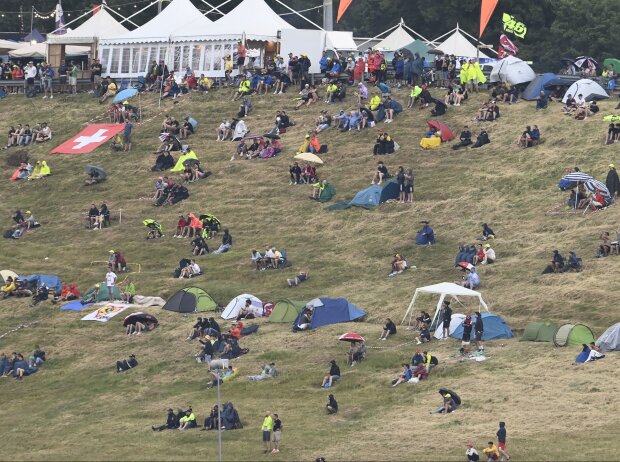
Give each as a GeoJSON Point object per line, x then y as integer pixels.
{"type": "Point", "coordinates": [610, 340]}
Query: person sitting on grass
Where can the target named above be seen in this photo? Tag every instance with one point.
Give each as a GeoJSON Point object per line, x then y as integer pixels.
{"type": "Point", "coordinates": [190, 270]}
{"type": "Point", "coordinates": [471, 453]}
{"type": "Point", "coordinates": [357, 352]}
{"type": "Point", "coordinates": [129, 291]}
{"type": "Point", "coordinates": [481, 139]}
{"type": "Point", "coordinates": [332, 405]}
{"type": "Point", "coordinates": [8, 288]}
{"type": "Point", "coordinates": [423, 320]}
{"type": "Point", "coordinates": [199, 246]}
{"type": "Point", "coordinates": [398, 264]}
{"type": "Point", "coordinates": [556, 265]}
{"type": "Point", "coordinates": [491, 452]}
{"type": "Point", "coordinates": [188, 421]}
{"type": "Point", "coordinates": [227, 242]}
{"type": "Point", "coordinates": [305, 320]}
{"type": "Point", "coordinates": [449, 405]}
{"type": "Point", "coordinates": [301, 277]}
{"type": "Point", "coordinates": [424, 337]}
{"type": "Point", "coordinates": [41, 295]}
{"type": "Point", "coordinates": [471, 280]}
{"type": "Point", "coordinates": [570, 106]}
{"type": "Point", "coordinates": [172, 423]}
{"type": "Point", "coordinates": [182, 227]}
{"type": "Point", "coordinates": [380, 174]}
{"type": "Point", "coordinates": [333, 376]}
{"type": "Point", "coordinates": [267, 371]}
{"type": "Point", "coordinates": [21, 368]}
{"type": "Point", "coordinates": [464, 138]}
{"type": "Point", "coordinates": [388, 329]}
{"type": "Point", "coordinates": [317, 189]}
{"type": "Point", "coordinates": [419, 372]}
{"type": "Point", "coordinates": [404, 376]}
{"type": "Point", "coordinates": [246, 311]}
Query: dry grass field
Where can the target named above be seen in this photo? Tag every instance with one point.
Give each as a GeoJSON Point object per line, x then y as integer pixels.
{"type": "Point", "coordinates": [78, 408]}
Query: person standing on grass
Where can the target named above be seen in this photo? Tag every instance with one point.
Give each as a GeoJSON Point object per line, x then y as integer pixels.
{"type": "Point", "coordinates": [479, 331]}
{"type": "Point", "coordinates": [501, 441]}
{"type": "Point", "coordinates": [267, 428]}
{"type": "Point", "coordinates": [277, 434]}
{"type": "Point", "coordinates": [127, 135]}
{"type": "Point", "coordinates": [73, 77]}
{"type": "Point", "coordinates": [447, 319]}
{"type": "Point", "coordinates": [110, 282]}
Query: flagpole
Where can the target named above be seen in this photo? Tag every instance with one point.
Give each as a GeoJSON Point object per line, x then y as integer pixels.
{"type": "Point", "coordinates": [31, 17]}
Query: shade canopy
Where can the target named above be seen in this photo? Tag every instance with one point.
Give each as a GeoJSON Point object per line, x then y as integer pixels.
{"type": "Point", "coordinates": [8, 45]}
{"type": "Point", "coordinates": [443, 289]}
{"type": "Point", "coordinates": [252, 19]}
{"type": "Point", "coordinates": [99, 26]}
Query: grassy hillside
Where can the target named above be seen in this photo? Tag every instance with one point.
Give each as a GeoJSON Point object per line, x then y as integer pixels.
{"type": "Point", "coordinates": [78, 408]}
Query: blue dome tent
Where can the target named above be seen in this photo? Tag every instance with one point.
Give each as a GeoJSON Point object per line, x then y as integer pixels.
{"type": "Point", "coordinates": [370, 197]}
{"type": "Point", "coordinates": [494, 328]}
{"type": "Point", "coordinates": [331, 311]}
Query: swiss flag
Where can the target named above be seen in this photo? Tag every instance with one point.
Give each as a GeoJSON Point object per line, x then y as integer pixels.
{"type": "Point", "coordinates": [89, 139]}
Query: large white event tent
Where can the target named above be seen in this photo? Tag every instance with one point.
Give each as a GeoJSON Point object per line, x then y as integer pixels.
{"type": "Point", "coordinates": [182, 36]}
{"type": "Point", "coordinates": [443, 289]}
{"type": "Point", "coordinates": [398, 38]}
{"type": "Point", "coordinates": [39, 51]}
{"type": "Point", "coordinates": [458, 44]}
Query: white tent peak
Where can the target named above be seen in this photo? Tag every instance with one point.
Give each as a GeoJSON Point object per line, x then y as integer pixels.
{"type": "Point", "coordinates": [99, 26]}
{"type": "Point", "coordinates": [458, 44]}
{"type": "Point", "coordinates": [396, 40]}
{"type": "Point", "coordinates": [175, 17]}
{"type": "Point", "coordinates": [254, 18]}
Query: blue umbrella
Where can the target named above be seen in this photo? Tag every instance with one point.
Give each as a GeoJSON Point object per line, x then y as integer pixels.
{"type": "Point", "coordinates": [125, 94]}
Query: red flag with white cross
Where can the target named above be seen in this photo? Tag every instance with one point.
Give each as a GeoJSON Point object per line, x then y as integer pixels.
{"type": "Point", "coordinates": [89, 139]}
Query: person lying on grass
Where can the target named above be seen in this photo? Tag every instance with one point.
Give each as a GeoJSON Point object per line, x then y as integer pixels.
{"type": "Point", "coordinates": [301, 277]}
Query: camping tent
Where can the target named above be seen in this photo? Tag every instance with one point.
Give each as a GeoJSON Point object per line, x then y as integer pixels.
{"type": "Point", "coordinates": [456, 320]}
{"type": "Point", "coordinates": [234, 306]}
{"type": "Point", "coordinates": [190, 300]}
{"type": "Point", "coordinates": [512, 70]}
{"type": "Point", "coordinates": [539, 332]}
{"type": "Point", "coordinates": [370, 197]}
{"type": "Point", "coordinates": [610, 340]}
{"type": "Point", "coordinates": [421, 49]}
{"type": "Point", "coordinates": [286, 310]}
{"type": "Point", "coordinates": [331, 311]}
{"type": "Point", "coordinates": [612, 62]}
{"type": "Point", "coordinates": [50, 280]}
{"type": "Point", "coordinates": [588, 88]}
{"type": "Point", "coordinates": [532, 91]}
{"type": "Point", "coordinates": [100, 25]}
{"type": "Point", "coordinates": [443, 289]}
{"type": "Point", "coordinates": [252, 19]}
{"type": "Point", "coordinates": [102, 294]}
{"type": "Point", "coordinates": [494, 328]}
{"type": "Point", "coordinates": [5, 274]}
{"type": "Point", "coordinates": [572, 335]}
{"type": "Point", "coordinates": [458, 45]}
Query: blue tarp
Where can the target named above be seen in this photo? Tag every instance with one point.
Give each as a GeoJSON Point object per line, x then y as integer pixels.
{"type": "Point", "coordinates": [75, 305]}
{"type": "Point", "coordinates": [51, 281]}
{"type": "Point", "coordinates": [371, 197]}
{"type": "Point", "coordinates": [494, 328]}
{"type": "Point", "coordinates": [333, 311]}
{"type": "Point", "coordinates": [532, 91]}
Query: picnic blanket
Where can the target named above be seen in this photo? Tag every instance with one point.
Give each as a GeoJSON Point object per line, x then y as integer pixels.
{"type": "Point", "coordinates": [141, 300]}
{"type": "Point", "coordinates": [106, 311]}
{"type": "Point", "coordinates": [75, 305]}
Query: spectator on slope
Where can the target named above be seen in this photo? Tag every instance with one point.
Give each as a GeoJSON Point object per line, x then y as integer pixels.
{"type": "Point", "coordinates": [542, 100]}
{"type": "Point", "coordinates": [501, 442]}
{"type": "Point", "coordinates": [333, 376]}
{"type": "Point", "coordinates": [404, 376]}
{"type": "Point", "coordinates": [188, 421]}
{"type": "Point", "coordinates": [605, 248]}
{"type": "Point", "coordinates": [295, 281]}
{"type": "Point", "coordinates": [295, 173]}
{"type": "Point", "coordinates": [491, 452]}
{"type": "Point", "coordinates": [323, 122]}
{"type": "Point", "coordinates": [593, 108]}
{"type": "Point", "coordinates": [172, 423]}
{"type": "Point", "coordinates": [423, 320]}
{"type": "Point", "coordinates": [388, 329]}
{"type": "Point", "coordinates": [464, 138]}
{"type": "Point", "coordinates": [361, 94]}
{"type": "Point", "coordinates": [471, 453]}
{"type": "Point", "coordinates": [613, 181]}
{"type": "Point", "coordinates": [41, 295]}
{"type": "Point", "coordinates": [332, 405]}
{"type": "Point", "coordinates": [380, 174]}
{"type": "Point", "coordinates": [471, 280]}
{"type": "Point", "coordinates": [424, 336]}
{"type": "Point", "coordinates": [582, 111]}
{"type": "Point", "coordinates": [481, 139]}
{"type": "Point", "coordinates": [414, 95]}
{"type": "Point", "coordinates": [227, 242]}
{"type": "Point", "coordinates": [384, 144]}
{"type": "Point", "coordinates": [190, 270]}
{"type": "Point", "coordinates": [570, 106]}
{"type": "Point", "coordinates": [398, 265]}
{"type": "Point", "coordinates": [432, 139]}
{"type": "Point", "coordinates": [525, 140]}
{"type": "Point", "coordinates": [111, 90]}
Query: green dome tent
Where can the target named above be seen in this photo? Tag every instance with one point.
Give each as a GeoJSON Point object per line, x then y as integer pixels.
{"type": "Point", "coordinates": [102, 295]}
{"type": "Point", "coordinates": [612, 62]}
{"type": "Point", "coordinates": [190, 300]}
{"type": "Point", "coordinates": [286, 310]}
{"type": "Point", "coordinates": [572, 335]}
{"type": "Point", "coordinates": [539, 332]}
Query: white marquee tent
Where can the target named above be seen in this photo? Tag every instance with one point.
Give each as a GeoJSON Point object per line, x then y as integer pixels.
{"type": "Point", "coordinates": [398, 38]}
{"type": "Point", "coordinates": [253, 19]}
{"type": "Point", "coordinates": [8, 45]}
{"type": "Point", "coordinates": [458, 45]}
{"type": "Point", "coordinates": [39, 51]}
{"type": "Point", "coordinates": [443, 289]}
{"type": "Point", "coordinates": [101, 25]}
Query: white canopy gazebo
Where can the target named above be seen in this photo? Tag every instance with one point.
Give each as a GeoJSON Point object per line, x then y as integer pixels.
{"type": "Point", "coordinates": [443, 289]}
{"type": "Point", "coordinates": [39, 51]}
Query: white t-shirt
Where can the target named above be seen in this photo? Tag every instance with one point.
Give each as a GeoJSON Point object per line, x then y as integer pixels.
{"type": "Point", "coordinates": [490, 253]}
{"type": "Point", "coordinates": [269, 254]}
{"type": "Point", "coordinates": [110, 279]}
{"type": "Point", "coordinates": [195, 268]}
{"type": "Point", "coordinates": [31, 72]}
{"type": "Point", "coordinates": [581, 102]}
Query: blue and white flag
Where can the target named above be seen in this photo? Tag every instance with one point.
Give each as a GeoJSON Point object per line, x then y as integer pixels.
{"type": "Point", "coordinates": [60, 20]}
